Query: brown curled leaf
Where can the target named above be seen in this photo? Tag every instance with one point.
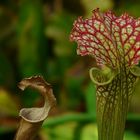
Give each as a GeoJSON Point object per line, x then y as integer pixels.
{"type": "Point", "coordinates": [38, 114]}
{"type": "Point", "coordinates": [32, 118]}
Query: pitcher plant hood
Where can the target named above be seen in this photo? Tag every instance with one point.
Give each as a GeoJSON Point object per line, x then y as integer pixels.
{"type": "Point", "coordinates": [110, 39]}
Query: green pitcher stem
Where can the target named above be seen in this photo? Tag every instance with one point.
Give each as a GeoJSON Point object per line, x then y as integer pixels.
{"type": "Point", "coordinates": [112, 106]}
{"type": "Point", "coordinates": [113, 95]}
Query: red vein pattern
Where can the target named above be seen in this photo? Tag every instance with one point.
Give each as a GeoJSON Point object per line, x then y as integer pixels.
{"type": "Point", "coordinates": [110, 39]}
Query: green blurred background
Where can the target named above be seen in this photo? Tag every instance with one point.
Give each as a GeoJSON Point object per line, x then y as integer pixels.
{"type": "Point", "coordinates": [34, 40]}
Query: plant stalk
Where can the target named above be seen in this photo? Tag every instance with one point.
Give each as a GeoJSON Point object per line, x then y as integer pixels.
{"type": "Point", "coordinates": [27, 130]}
{"type": "Point", "coordinates": [112, 106]}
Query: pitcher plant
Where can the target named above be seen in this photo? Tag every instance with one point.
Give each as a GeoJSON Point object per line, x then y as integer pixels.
{"type": "Point", "coordinates": [114, 42]}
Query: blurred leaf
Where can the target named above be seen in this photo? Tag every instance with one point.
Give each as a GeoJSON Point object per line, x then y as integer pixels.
{"type": "Point", "coordinates": [90, 5]}
{"type": "Point", "coordinates": [7, 24]}
{"type": "Point", "coordinates": [90, 96]}
{"type": "Point", "coordinates": [74, 79]}
{"type": "Point", "coordinates": [7, 104]}
{"type": "Point", "coordinates": [30, 34]}
{"type": "Point", "coordinates": [62, 132]}
{"type": "Point", "coordinates": [66, 118]}
{"type": "Point", "coordinates": [31, 49]}
{"type": "Point", "coordinates": [130, 7]}
{"type": "Point", "coordinates": [131, 136]}
{"type": "Point", "coordinates": [6, 71]}
{"type": "Point", "coordinates": [89, 132]}
{"type": "Point", "coordinates": [59, 28]}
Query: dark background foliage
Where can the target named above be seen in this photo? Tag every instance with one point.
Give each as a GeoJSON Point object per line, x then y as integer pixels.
{"type": "Point", "coordinates": [34, 40]}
